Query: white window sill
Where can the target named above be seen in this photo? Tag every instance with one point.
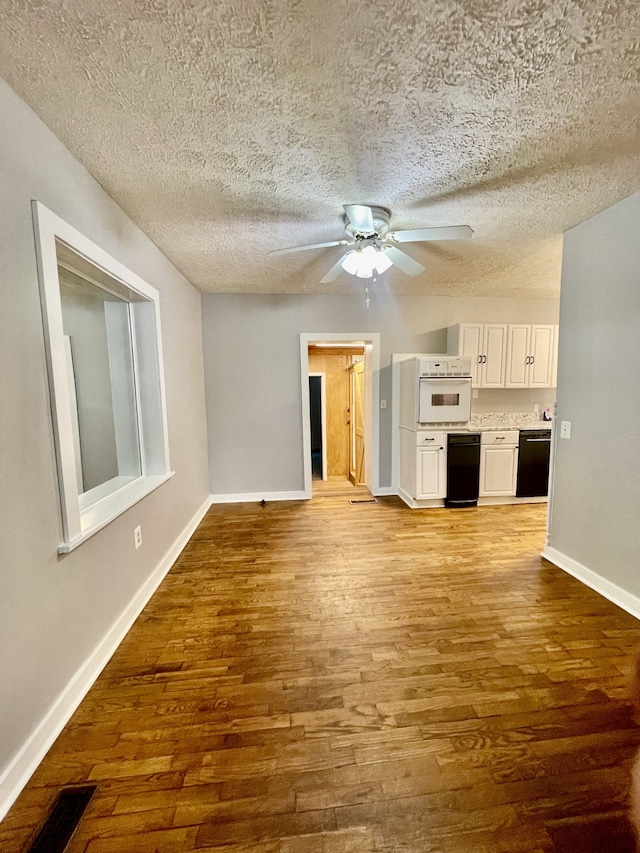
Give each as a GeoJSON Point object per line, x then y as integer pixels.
{"type": "Point", "coordinates": [103, 511]}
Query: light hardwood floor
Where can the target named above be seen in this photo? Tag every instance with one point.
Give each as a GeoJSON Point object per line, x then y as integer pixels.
{"type": "Point", "coordinates": [320, 677]}
{"type": "Point", "coordinates": [339, 487]}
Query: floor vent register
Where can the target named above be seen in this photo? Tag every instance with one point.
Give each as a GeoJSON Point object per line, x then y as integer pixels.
{"type": "Point", "coordinates": [56, 832]}
{"type": "Point", "coordinates": [364, 501]}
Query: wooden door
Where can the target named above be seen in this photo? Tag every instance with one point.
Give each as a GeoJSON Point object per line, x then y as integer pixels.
{"type": "Point", "coordinates": [357, 402]}
{"type": "Point", "coordinates": [335, 364]}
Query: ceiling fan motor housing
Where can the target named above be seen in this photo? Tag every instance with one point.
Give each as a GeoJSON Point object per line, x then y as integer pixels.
{"type": "Point", "coordinates": [381, 217]}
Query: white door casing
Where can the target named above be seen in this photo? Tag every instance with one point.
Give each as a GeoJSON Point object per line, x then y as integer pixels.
{"type": "Point", "coordinates": [371, 343]}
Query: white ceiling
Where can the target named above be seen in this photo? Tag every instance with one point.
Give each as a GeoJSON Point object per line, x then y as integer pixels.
{"type": "Point", "coordinates": [226, 129]}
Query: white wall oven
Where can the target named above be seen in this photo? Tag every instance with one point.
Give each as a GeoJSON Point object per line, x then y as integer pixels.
{"type": "Point", "coordinates": [444, 390]}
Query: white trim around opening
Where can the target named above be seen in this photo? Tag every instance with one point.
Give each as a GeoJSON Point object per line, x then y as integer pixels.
{"type": "Point", "coordinates": [371, 343]}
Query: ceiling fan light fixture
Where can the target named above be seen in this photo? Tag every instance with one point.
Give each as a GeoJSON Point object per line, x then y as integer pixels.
{"type": "Point", "coordinates": [383, 262]}
{"type": "Point", "coordinates": [364, 262]}
{"type": "Point", "coordinates": [364, 272]}
{"type": "Point", "coordinates": [351, 262]}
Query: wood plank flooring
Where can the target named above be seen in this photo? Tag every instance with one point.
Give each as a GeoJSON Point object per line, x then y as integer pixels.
{"type": "Point", "coordinates": [337, 487]}
{"type": "Point", "coordinates": [320, 677]}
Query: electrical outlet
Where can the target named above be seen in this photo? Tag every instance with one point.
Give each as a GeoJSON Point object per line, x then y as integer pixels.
{"type": "Point", "coordinates": [383, 404]}
{"type": "Point", "coordinates": [565, 429]}
{"type": "Point", "coordinates": [536, 408]}
{"type": "Point", "coordinates": [137, 536]}
{"type": "Point", "coordinates": [474, 393]}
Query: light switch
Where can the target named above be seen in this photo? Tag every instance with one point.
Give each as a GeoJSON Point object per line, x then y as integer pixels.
{"type": "Point", "coordinates": [565, 429]}
{"type": "Point", "coordinates": [383, 404]}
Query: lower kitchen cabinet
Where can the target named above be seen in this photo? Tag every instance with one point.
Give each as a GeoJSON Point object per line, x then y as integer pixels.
{"type": "Point", "coordinates": [423, 465]}
{"type": "Point", "coordinates": [498, 463]}
{"type": "Point", "coordinates": [514, 466]}
{"type": "Point", "coordinates": [432, 474]}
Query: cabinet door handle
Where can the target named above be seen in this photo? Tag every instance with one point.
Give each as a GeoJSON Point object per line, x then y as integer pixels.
{"type": "Point", "coordinates": [479, 359]}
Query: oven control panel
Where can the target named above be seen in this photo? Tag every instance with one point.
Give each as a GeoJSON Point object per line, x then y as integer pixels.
{"type": "Point", "coordinates": [457, 366]}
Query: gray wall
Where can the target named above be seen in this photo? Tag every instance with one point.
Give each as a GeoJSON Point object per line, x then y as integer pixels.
{"type": "Point", "coordinates": [54, 611]}
{"type": "Point", "coordinates": [252, 371]}
{"type": "Point", "coordinates": [596, 503]}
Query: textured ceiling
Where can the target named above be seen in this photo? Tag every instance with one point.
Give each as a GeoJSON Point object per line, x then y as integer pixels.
{"type": "Point", "coordinates": [226, 129]}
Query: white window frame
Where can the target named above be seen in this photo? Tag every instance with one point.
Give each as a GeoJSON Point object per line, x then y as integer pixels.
{"type": "Point", "coordinates": [81, 518]}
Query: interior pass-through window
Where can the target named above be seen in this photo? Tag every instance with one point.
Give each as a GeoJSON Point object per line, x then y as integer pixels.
{"type": "Point", "coordinates": [102, 328]}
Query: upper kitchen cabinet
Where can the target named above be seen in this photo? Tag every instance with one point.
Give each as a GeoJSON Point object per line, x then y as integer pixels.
{"type": "Point", "coordinates": [507, 356]}
{"type": "Point", "coordinates": [531, 357]}
{"type": "Point", "coordinates": [486, 346]}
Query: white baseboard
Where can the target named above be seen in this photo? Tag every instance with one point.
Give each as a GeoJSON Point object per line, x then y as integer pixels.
{"type": "Point", "coordinates": [21, 768]}
{"type": "Point", "coordinates": [611, 591]}
{"type": "Point", "coordinates": [412, 503]}
{"type": "Point", "coordinates": [406, 497]}
{"type": "Point", "coordinates": [256, 497]}
{"type": "Point", "coordinates": [384, 491]}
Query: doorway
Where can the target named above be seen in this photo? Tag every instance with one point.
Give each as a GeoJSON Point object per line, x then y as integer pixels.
{"type": "Point", "coordinates": [336, 363]}
{"type": "Point", "coordinates": [318, 424]}
{"type": "Point", "coordinates": [350, 364]}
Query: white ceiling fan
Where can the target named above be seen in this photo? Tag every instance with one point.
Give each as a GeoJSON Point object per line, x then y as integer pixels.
{"type": "Point", "coordinates": [372, 247]}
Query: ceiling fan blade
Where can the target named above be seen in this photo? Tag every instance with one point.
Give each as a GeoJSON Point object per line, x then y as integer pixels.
{"type": "Point", "coordinates": [402, 261]}
{"type": "Point", "coordinates": [361, 217]}
{"type": "Point", "coordinates": [310, 246]}
{"type": "Point", "coordinates": [449, 232]}
{"type": "Point", "coordinates": [333, 273]}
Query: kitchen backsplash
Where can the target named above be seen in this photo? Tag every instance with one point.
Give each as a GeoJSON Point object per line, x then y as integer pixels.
{"type": "Point", "coordinates": [507, 420]}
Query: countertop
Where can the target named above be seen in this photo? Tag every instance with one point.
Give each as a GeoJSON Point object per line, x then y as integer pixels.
{"type": "Point", "coordinates": [495, 421]}
{"type": "Point", "coordinates": [507, 420]}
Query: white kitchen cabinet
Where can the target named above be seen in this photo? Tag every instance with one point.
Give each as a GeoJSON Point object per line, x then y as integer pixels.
{"type": "Point", "coordinates": [498, 463]}
{"type": "Point", "coordinates": [486, 345]}
{"type": "Point", "coordinates": [494, 354]}
{"type": "Point", "coordinates": [431, 474]}
{"type": "Point", "coordinates": [507, 355]}
{"type": "Point", "coordinates": [423, 470]}
{"type": "Point", "coordinates": [530, 356]}
{"type": "Point", "coordinates": [543, 342]}
{"type": "Point", "coordinates": [431, 480]}
{"type": "Point", "coordinates": [467, 339]}
{"type": "Point", "coordinates": [554, 366]}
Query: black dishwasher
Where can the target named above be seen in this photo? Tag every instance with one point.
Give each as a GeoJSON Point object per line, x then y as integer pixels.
{"type": "Point", "coordinates": [533, 463]}
{"type": "Point", "coordinates": [463, 469]}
